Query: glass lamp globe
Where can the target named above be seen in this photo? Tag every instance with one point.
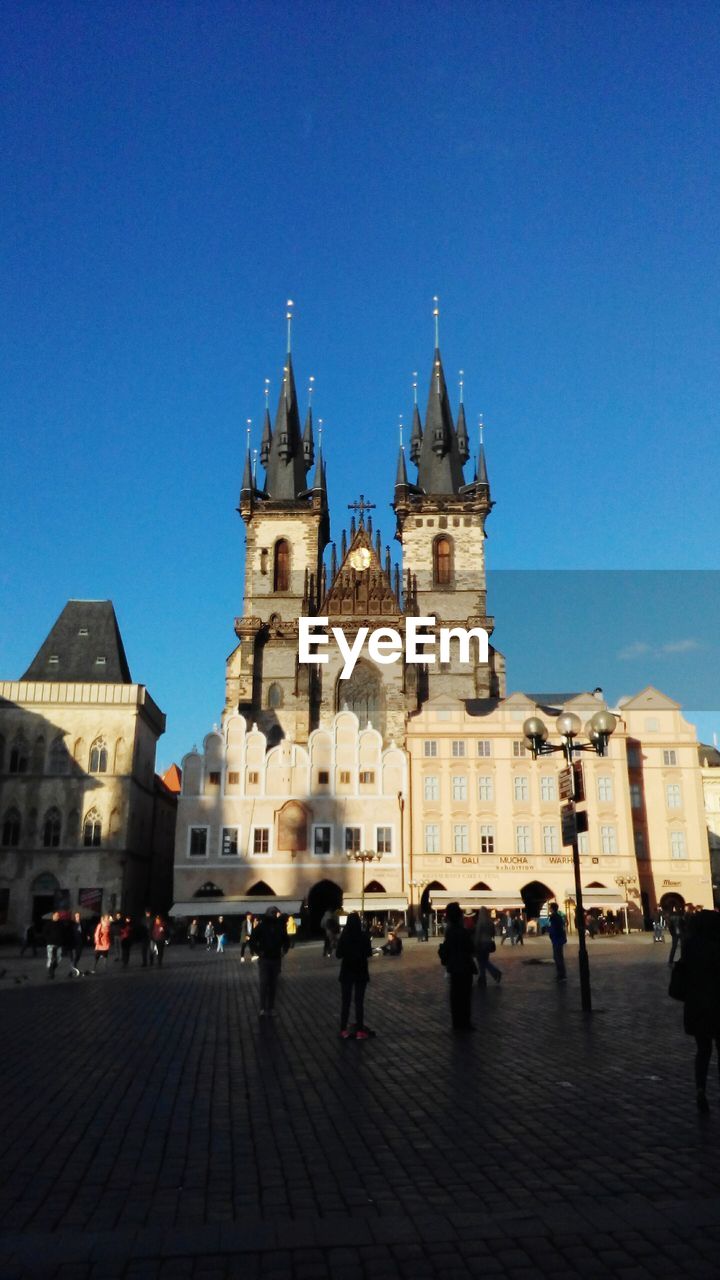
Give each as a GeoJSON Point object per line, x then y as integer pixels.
{"type": "Point", "coordinates": [568, 724]}
{"type": "Point", "coordinates": [604, 722]}
{"type": "Point", "coordinates": [534, 727]}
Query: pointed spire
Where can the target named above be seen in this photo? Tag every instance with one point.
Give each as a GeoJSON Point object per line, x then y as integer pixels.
{"type": "Point", "coordinates": [307, 440]}
{"type": "Point", "coordinates": [438, 450]}
{"type": "Point", "coordinates": [285, 466]}
{"type": "Point", "coordinates": [401, 478]}
{"type": "Point", "coordinates": [247, 480]}
{"type": "Point", "coordinates": [482, 471]}
{"type": "Point", "coordinates": [416, 436]}
{"type": "Point", "coordinates": [463, 440]}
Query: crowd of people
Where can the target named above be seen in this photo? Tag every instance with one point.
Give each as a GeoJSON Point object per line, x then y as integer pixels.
{"type": "Point", "coordinates": [70, 935]}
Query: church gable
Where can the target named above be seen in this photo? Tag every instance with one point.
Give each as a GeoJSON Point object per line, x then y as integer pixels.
{"type": "Point", "coordinates": [361, 587]}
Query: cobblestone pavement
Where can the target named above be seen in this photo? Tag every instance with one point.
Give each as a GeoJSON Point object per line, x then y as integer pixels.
{"type": "Point", "coordinates": [156, 1127]}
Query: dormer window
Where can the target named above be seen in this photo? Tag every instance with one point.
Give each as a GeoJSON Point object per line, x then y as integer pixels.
{"type": "Point", "coordinates": [83, 631]}
{"type": "Point", "coordinates": [53, 659]}
{"type": "Point", "coordinates": [100, 662]}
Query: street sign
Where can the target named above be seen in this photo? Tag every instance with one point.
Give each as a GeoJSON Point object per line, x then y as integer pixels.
{"type": "Point", "coordinates": [579, 782]}
{"type": "Point", "coordinates": [569, 826]}
{"type": "Point", "coordinates": [565, 784]}
{"type": "Point", "coordinates": [581, 821]}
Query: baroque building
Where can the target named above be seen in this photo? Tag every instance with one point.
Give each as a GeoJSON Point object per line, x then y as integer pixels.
{"type": "Point", "coordinates": [422, 762]}
{"type": "Point", "coordinates": [84, 821]}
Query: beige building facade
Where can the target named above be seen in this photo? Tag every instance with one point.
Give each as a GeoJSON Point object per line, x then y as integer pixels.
{"type": "Point", "coordinates": [84, 823]}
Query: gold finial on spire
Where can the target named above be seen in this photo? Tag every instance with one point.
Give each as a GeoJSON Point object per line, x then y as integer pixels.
{"type": "Point", "coordinates": [320, 432]}
{"type": "Point", "coordinates": [414, 386]}
{"type": "Point", "coordinates": [481, 426]}
{"type": "Point", "coordinates": [461, 373]}
{"type": "Point", "coordinates": [436, 314]}
{"type": "Point", "coordinates": [254, 465]}
{"type": "Point", "coordinates": [248, 428]}
{"type": "Point", "coordinates": [400, 428]}
{"type": "Point", "coordinates": [311, 388]}
{"type": "Point", "coordinates": [267, 394]}
{"type": "Point", "coordinates": [289, 318]}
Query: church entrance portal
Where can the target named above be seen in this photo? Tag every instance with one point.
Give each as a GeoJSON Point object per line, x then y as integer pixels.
{"type": "Point", "coordinates": [534, 895]}
{"type": "Point", "coordinates": [324, 896]}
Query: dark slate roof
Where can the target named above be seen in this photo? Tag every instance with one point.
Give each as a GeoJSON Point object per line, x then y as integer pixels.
{"type": "Point", "coordinates": [709, 755]}
{"type": "Point", "coordinates": [77, 652]}
{"type": "Point", "coordinates": [286, 465]}
{"type": "Point", "coordinates": [439, 462]}
{"type": "Point", "coordinates": [552, 703]}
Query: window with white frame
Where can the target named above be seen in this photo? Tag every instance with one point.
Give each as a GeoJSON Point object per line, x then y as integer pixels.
{"type": "Point", "coordinates": [322, 841]}
{"type": "Point", "coordinates": [551, 843]}
{"type": "Point", "coordinates": [523, 838]}
{"type": "Point", "coordinates": [669, 757]}
{"type": "Point", "coordinates": [383, 839]}
{"type": "Point", "coordinates": [230, 842]}
{"type": "Point", "coordinates": [521, 787]}
{"type": "Point", "coordinates": [635, 795]}
{"type": "Point", "coordinates": [431, 787]}
{"type": "Point", "coordinates": [461, 843]}
{"type": "Point", "coordinates": [353, 839]}
{"type": "Point", "coordinates": [197, 845]}
{"type": "Point", "coordinates": [518, 747]}
{"type": "Point", "coordinates": [430, 747]}
{"type": "Point", "coordinates": [458, 748]}
{"type": "Point", "coordinates": [604, 789]}
{"type": "Point", "coordinates": [432, 837]}
{"type": "Point", "coordinates": [548, 790]}
{"type": "Point", "coordinates": [487, 838]}
{"type": "Point", "coordinates": [608, 839]}
{"type": "Point", "coordinates": [678, 847]}
{"type": "Point", "coordinates": [583, 842]}
{"type": "Point", "coordinates": [484, 747]}
{"type": "Point", "coordinates": [674, 797]}
{"type": "Point", "coordinates": [485, 787]}
{"type": "Point", "coordinates": [261, 841]}
{"type": "Point", "coordinates": [459, 787]}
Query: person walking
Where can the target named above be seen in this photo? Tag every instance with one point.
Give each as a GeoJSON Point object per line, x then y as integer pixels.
{"type": "Point", "coordinates": [675, 926]}
{"type": "Point", "coordinates": [353, 949]}
{"type": "Point", "coordinates": [291, 928]}
{"type": "Point", "coordinates": [54, 937]}
{"type": "Point", "coordinates": [77, 944]}
{"type": "Point", "coordinates": [518, 930]}
{"type": "Point", "coordinates": [209, 935]}
{"type": "Point", "coordinates": [456, 954]}
{"type": "Point", "coordinates": [126, 940]}
{"type": "Point", "coordinates": [221, 937]}
{"type": "Point", "coordinates": [658, 923]}
{"type": "Point", "coordinates": [269, 943]}
{"type": "Point", "coordinates": [29, 940]}
{"type": "Point", "coordinates": [484, 942]}
{"type": "Point", "coordinates": [246, 929]}
{"type": "Point", "coordinates": [558, 938]}
{"type": "Point", "coordinates": [331, 928]}
{"type": "Point", "coordinates": [144, 932]}
{"type": "Point", "coordinates": [507, 933]}
{"type": "Point", "coordinates": [192, 934]}
{"type": "Point", "coordinates": [159, 941]}
{"type": "Point", "coordinates": [102, 941]}
{"type": "Point", "coordinates": [116, 924]}
{"type": "Point", "coordinates": [700, 966]}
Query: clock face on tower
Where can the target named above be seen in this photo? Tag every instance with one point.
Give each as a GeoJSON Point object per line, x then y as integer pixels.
{"type": "Point", "coordinates": [360, 558]}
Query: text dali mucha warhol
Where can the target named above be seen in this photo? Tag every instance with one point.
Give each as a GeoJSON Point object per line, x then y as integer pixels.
{"type": "Point", "coordinates": [385, 644]}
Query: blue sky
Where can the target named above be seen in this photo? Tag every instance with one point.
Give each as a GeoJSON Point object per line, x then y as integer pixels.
{"type": "Point", "coordinates": [171, 174]}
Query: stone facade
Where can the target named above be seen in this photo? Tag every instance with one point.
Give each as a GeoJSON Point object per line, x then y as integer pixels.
{"type": "Point", "coordinates": [83, 819]}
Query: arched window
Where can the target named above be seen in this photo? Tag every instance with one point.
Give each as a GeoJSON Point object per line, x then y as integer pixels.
{"type": "Point", "coordinates": [38, 754]}
{"type": "Point", "coordinates": [275, 696]}
{"type": "Point", "coordinates": [92, 829]}
{"type": "Point", "coordinates": [58, 756]}
{"type": "Point", "coordinates": [51, 829]}
{"type": "Point", "coordinates": [19, 754]}
{"type": "Point", "coordinates": [281, 565]}
{"type": "Point", "coordinates": [363, 694]}
{"type": "Point", "coordinates": [98, 756]}
{"type": "Point", "coordinates": [442, 562]}
{"type": "Point", "coordinates": [11, 829]}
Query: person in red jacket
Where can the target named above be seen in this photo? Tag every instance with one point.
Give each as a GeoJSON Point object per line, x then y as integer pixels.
{"type": "Point", "coordinates": [157, 945]}
{"type": "Point", "coordinates": [102, 941]}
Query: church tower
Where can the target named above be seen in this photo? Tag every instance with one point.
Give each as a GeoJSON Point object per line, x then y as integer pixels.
{"type": "Point", "coordinates": [441, 528]}
{"type": "Point", "coordinates": [287, 529]}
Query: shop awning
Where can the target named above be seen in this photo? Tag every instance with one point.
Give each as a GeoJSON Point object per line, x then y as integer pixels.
{"type": "Point", "coordinates": [608, 898]}
{"type": "Point", "coordinates": [375, 902]}
{"type": "Point", "coordinates": [474, 898]}
{"type": "Point", "coordinates": [235, 906]}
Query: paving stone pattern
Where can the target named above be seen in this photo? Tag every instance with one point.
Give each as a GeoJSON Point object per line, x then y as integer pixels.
{"type": "Point", "coordinates": [156, 1127]}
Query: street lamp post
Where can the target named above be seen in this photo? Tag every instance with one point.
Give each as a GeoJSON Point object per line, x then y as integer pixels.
{"type": "Point", "coordinates": [626, 883]}
{"type": "Point", "coordinates": [363, 857]}
{"type": "Point", "coordinates": [597, 731]}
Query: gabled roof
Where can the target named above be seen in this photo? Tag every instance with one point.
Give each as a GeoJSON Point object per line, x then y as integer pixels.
{"type": "Point", "coordinates": [84, 645]}
{"type": "Point", "coordinates": [650, 697]}
{"type": "Point", "coordinates": [172, 779]}
{"type": "Point", "coordinates": [708, 756]}
{"type": "Point", "coordinates": [361, 589]}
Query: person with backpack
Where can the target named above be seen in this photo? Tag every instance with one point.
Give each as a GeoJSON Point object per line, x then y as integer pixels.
{"type": "Point", "coordinates": [269, 942]}
{"type": "Point", "coordinates": [456, 953]}
{"type": "Point", "coordinates": [558, 938]}
{"type": "Point", "coordinates": [484, 942]}
{"type": "Point", "coordinates": [353, 950]}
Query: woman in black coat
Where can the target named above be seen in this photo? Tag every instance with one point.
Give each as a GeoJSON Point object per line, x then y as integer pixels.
{"type": "Point", "coordinates": [354, 949]}
{"type": "Point", "coordinates": [457, 955]}
{"type": "Point", "coordinates": [701, 965]}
